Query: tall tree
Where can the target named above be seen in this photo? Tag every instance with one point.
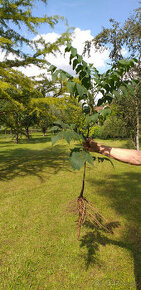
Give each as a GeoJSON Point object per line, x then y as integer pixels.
{"type": "Point", "coordinates": [128, 37]}
{"type": "Point", "coordinates": [16, 17]}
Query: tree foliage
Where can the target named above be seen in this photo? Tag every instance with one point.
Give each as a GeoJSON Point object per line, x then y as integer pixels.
{"type": "Point", "coordinates": [17, 91]}
{"type": "Point", "coordinates": [127, 37]}
{"type": "Point", "coordinates": [90, 82]}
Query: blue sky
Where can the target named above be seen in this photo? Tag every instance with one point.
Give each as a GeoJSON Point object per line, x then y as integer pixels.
{"type": "Point", "coordinates": [86, 14]}
{"type": "Point", "coordinates": [87, 17]}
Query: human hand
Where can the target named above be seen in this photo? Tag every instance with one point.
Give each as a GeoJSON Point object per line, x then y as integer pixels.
{"type": "Point", "coordinates": [91, 145]}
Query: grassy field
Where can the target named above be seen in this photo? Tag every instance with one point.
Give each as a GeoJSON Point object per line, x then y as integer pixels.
{"type": "Point", "coordinates": [38, 229]}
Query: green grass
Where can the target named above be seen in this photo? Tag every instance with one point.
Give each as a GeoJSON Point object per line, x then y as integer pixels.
{"type": "Point", "coordinates": [38, 231]}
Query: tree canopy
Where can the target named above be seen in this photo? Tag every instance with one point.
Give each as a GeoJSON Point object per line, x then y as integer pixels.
{"type": "Point", "coordinates": [125, 37]}
{"type": "Point", "coordinates": [18, 51]}
{"type": "Point", "coordinates": [119, 36]}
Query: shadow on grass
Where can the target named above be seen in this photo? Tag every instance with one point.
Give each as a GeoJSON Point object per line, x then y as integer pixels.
{"type": "Point", "coordinates": [33, 140]}
{"type": "Point", "coordinates": [22, 162]}
{"type": "Point", "coordinates": [124, 193]}
{"type": "Point", "coordinates": [93, 238]}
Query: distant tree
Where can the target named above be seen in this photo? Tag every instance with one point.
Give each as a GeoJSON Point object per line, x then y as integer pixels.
{"type": "Point", "coordinates": [16, 89]}
{"type": "Point", "coordinates": [116, 38]}
{"type": "Point", "coordinates": [127, 36]}
{"type": "Point", "coordinates": [45, 118]}
{"type": "Point", "coordinates": [122, 121]}
{"type": "Point", "coordinates": [71, 112]}
{"type": "Point", "coordinates": [15, 15]}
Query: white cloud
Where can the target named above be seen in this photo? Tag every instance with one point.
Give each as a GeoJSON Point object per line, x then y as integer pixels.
{"type": "Point", "coordinates": [2, 55]}
{"type": "Point", "coordinates": [124, 51]}
{"type": "Point", "coordinates": [10, 56]}
{"type": "Point", "coordinates": [49, 37]}
{"type": "Point", "coordinates": [62, 61]}
{"type": "Point", "coordinates": [98, 59]}
{"type": "Point", "coordinates": [78, 41]}
{"type": "Point", "coordinates": [31, 70]}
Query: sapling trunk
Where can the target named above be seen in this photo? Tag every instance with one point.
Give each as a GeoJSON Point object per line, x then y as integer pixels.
{"type": "Point", "coordinates": [83, 181]}
{"type": "Point", "coordinates": [81, 204]}
{"type": "Point", "coordinates": [137, 126]}
{"type": "Point", "coordinates": [87, 211]}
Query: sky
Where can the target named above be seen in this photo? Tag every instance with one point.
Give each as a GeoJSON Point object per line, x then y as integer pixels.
{"type": "Point", "coordinates": [87, 14]}
{"type": "Point", "coordinates": [87, 17]}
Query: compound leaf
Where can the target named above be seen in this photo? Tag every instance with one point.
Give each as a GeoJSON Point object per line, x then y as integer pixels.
{"type": "Point", "coordinates": [78, 159]}
{"type": "Point", "coordinates": [57, 137]}
{"type": "Point", "coordinates": [92, 118]}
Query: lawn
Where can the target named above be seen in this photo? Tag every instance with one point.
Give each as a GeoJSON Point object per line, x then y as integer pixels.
{"type": "Point", "coordinates": [38, 229]}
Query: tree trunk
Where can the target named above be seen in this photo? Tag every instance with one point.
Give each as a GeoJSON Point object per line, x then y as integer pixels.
{"type": "Point", "coordinates": [44, 131]}
{"type": "Point", "coordinates": [17, 138]}
{"type": "Point", "coordinates": [83, 182]}
{"type": "Point", "coordinates": [27, 133]}
{"type": "Point", "coordinates": [137, 126]}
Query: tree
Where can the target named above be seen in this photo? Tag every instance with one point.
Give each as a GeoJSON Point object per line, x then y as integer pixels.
{"type": "Point", "coordinates": [45, 118]}
{"type": "Point", "coordinates": [127, 36]}
{"type": "Point", "coordinates": [16, 89]}
{"type": "Point", "coordinates": [125, 114]}
{"type": "Point", "coordinates": [116, 38]}
{"type": "Point", "coordinates": [18, 14]}
{"type": "Point", "coordinates": [108, 84]}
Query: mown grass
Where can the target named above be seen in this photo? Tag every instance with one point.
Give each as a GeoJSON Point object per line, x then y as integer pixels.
{"type": "Point", "coordinates": [38, 230]}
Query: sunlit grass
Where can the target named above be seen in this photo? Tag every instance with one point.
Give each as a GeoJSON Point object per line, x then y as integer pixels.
{"type": "Point", "coordinates": [38, 231]}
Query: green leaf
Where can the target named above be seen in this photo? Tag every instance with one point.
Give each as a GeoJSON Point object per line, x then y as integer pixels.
{"type": "Point", "coordinates": [68, 48]}
{"type": "Point", "coordinates": [61, 124]}
{"type": "Point", "coordinates": [84, 64]}
{"type": "Point", "coordinates": [54, 76]}
{"type": "Point", "coordinates": [124, 90]}
{"type": "Point", "coordinates": [71, 87]}
{"type": "Point", "coordinates": [86, 82]}
{"type": "Point", "coordinates": [55, 128]}
{"type": "Point", "coordinates": [131, 89]}
{"type": "Point", "coordinates": [63, 75]}
{"type": "Point", "coordinates": [82, 75]}
{"type": "Point", "coordinates": [106, 86]}
{"type": "Point", "coordinates": [115, 77]}
{"type": "Point", "coordinates": [57, 137]}
{"type": "Point", "coordinates": [89, 158]}
{"type": "Point", "coordinates": [79, 68]}
{"type": "Point", "coordinates": [75, 62]}
{"type": "Point", "coordinates": [109, 98]}
{"type": "Point", "coordinates": [105, 112]}
{"type": "Point", "coordinates": [52, 68]}
{"type": "Point", "coordinates": [70, 135]}
{"type": "Point", "coordinates": [71, 57]}
{"type": "Point", "coordinates": [101, 159]}
{"type": "Point", "coordinates": [78, 159]}
{"type": "Point", "coordinates": [101, 101]}
{"type": "Point", "coordinates": [73, 51]}
{"type": "Point", "coordinates": [75, 149]}
{"type": "Point", "coordinates": [79, 58]}
{"type": "Point", "coordinates": [135, 82]}
{"type": "Point", "coordinates": [123, 62]}
{"type": "Point", "coordinates": [81, 90]}
{"type": "Point", "coordinates": [93, 118]}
